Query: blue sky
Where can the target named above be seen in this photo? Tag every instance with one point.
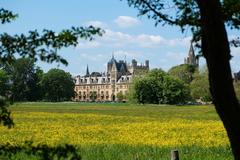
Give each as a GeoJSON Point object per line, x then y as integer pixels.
{"type": "Point", "coordinates": [126, 34]}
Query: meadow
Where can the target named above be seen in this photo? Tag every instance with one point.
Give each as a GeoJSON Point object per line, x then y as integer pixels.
{"type": "Point", "coordinates": [114, 132]}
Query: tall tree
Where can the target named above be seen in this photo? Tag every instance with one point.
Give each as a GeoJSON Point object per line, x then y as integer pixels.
{"type": "Point", "coordinates": [157, 87]}
{"type": "Point", "coordinates": [58, 85]}
{"type": "Point", "coordinates": [4, 83]}
{"type": "Point", "coordinates": [207, 20]}
{"type": "Point", "coordinates": [24, 80]}
{"type": "Point", "coordinates": [184, 72]}
{"type": "Point", "coordinates": [200, 86]}
{"type": "Point", "coordinates": [38, 46]}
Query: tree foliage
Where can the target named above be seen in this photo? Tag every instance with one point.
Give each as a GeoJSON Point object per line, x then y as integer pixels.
{"type": "Point", "coordinates": [43, 46]}
{"type": "Point", "coordinates": [93, 96]}
{"type": "Point", "coordinates": [4, 83]}
{"type": "Point", "coordinates": [121, 97]}
{"type": "Point", "coordinates": [5, 114]}
{"type": "Point", "coordinates": [200, 87]}
{"type": "Point", "coordinates": [6, 16]}
{"type": "Point", "coordinates": [24, 77]}
{"type": "Point", "coordinates": [57, 85]}
{"type": "Point", "coordinates": [157, 87]}
{"type": "Point", "coordinates": [184, 72]}
{"type": "Point", "coordinates": [237, 89]}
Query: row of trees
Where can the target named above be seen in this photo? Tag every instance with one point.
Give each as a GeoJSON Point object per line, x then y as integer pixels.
{"type": "Point", "coordinates": [23, 81]}
{"type": "Point", "coordinates": [181, 84]}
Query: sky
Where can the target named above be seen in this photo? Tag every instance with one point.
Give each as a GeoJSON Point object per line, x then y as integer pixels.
{"type": "Point", "coordinates": [127, 36]}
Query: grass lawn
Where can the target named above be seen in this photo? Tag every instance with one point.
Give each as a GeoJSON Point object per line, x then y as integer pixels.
{"type": "Point", "coordinates": [114, 131]}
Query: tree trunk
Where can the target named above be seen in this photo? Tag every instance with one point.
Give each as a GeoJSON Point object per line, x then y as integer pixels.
{"type": "Point", "coordinates": [216, 50]}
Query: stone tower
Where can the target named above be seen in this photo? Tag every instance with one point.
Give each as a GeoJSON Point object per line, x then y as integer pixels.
{"type": "Point", "coordinates": [191, 59]}
{"type": "Point", "coordinates": [87, 72]}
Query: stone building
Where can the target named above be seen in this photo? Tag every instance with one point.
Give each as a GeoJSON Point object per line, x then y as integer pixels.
{"type": "Point", "coordinates": [107, 85]}
{"type": "Point", "coordinates": [192, 59]}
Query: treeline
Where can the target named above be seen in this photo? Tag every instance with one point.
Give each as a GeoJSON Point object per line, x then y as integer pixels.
{"type": "Point", "coordinates": [180, 85]}
{"type": "Point", "coordinates": [22, 80]}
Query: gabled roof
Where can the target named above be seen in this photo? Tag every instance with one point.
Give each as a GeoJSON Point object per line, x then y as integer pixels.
{"type": "Point", "coordinates": [96, 74]}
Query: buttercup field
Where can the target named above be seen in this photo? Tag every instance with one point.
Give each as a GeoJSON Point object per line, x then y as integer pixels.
{"type": "Point", "coordinates": [120, 131]}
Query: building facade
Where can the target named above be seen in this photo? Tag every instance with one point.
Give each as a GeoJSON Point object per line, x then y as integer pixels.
{"type": "Point", "coordinates": [108, 85]}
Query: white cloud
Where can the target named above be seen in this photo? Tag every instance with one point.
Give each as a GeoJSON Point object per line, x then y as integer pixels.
{"type": "Point", "coordinates": [88, 44]}
{"type": "Point", "coordinates": [119, 39]}
{"type": "Point", "coordinates": [97, 24]}
{"type": "Point", "coordinates": [126, 21]}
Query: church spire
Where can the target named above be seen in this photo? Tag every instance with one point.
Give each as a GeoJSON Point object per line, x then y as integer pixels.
{"type": "Point", "coordinates": [191, 51]}
{"type": "Point", "coordinates": [87, 71]}
{"type": "Point", "coordinates": [112, 55]}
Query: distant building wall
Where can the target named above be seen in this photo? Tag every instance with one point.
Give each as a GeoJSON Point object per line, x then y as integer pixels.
{"type": "Point", "coordinates": [105, 86]}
